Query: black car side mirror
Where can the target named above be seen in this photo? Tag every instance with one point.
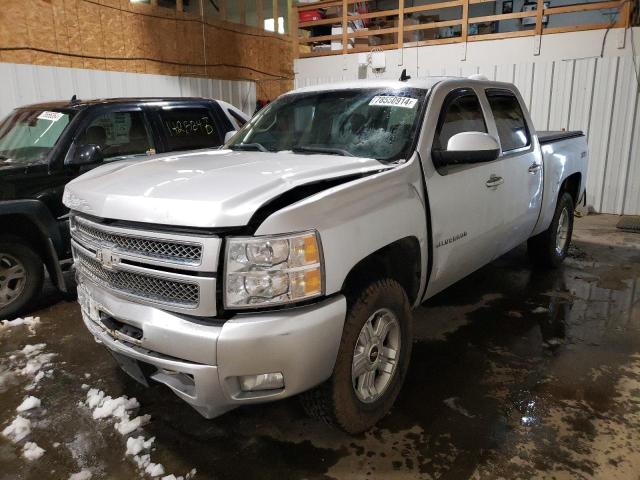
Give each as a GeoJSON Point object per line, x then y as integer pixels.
{"type": "Point", "coordinates": [86, 155]}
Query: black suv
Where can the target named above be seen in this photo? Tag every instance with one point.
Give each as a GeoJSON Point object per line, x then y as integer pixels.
{"type": "Point", "coordinates": [44, 146]}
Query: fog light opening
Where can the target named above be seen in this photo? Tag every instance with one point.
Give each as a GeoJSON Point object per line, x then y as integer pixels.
{"type": "Point", "coordinates": [261, 381]}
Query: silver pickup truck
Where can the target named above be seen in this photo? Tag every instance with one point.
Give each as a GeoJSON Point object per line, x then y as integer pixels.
{"type": "Point", "coordinates": [288, 261]}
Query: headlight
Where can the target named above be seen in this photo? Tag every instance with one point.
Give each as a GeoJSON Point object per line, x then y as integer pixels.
{"type": "Point", "coordinates": [266, 271]}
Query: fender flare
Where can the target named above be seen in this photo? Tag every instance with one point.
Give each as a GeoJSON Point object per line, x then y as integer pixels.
{"type": "Point", "coordinates": [50, 242]}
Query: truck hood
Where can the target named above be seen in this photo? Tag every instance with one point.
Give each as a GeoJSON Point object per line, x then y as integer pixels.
{"type": "Point", "coordinates": [213, 188]}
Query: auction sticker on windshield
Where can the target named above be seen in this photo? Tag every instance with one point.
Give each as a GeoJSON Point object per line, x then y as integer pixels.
{"type": "Point", "coordinates": [52, 116]}
{"type": "Point", "coordinates": [393, 101]}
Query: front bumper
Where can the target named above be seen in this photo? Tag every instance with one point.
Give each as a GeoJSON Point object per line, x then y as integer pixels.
{"type": "Point", "coordinates": [201, 361]}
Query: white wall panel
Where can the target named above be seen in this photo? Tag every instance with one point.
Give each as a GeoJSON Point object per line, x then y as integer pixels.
{"type": "Point", "coordinates": [24, 84]}
{"type": "Point", "coordinates": [569, 86]}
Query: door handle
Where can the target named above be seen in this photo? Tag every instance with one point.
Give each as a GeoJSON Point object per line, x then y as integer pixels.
{"type": "Point", "coordinates": [494, 181]}
{"type": "Point", "coordinates": [534, 167]}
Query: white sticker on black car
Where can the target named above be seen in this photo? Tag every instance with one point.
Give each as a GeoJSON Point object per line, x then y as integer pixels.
{"type": "Point", "coordinates": [52, 116]}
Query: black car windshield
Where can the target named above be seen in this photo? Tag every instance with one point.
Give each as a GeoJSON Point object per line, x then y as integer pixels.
{"type": "Point", "coordinates": [28, 135]}
{"type": "Point", "coordinates": [373, 123]}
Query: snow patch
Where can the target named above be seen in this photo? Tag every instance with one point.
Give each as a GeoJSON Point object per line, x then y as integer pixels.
{"type": "Point", "coordinates": [31, 451]}
{"type": "Point", "coordinates": [34, 364]}
{"type": "Point", "coordinates": [137, 444]}
{"type": "Point", "coordinates": [126, 426]}
{"type": "Point", "coordinates": [31, 350]}
{"type": "Point", "coordinates": [18, 429]}
{"type": "Point", "coordinates": [29, 403]}
{"type": "Point", "coordinates": [115, 407]}
{"type": "Point", "coordinates": [30, 322]}
{"type": "Point", "coordinates": [83, 474]}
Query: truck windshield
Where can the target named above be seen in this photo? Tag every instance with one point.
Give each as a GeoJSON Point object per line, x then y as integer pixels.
{"type": "Point", "coordinates": [371, 123]}
{"type": "Point", "coordinates": [28, 135]}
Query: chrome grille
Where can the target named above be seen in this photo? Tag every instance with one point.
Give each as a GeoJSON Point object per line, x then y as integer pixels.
{"type": "Point", "coordinates": [172, 251]}
{"type": "Point", "coordinates": [148, 287]}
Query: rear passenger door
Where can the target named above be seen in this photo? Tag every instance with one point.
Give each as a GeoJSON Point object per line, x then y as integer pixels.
{"type": "Point", "coordinates": [522, 167]}
{"type": "Point", "coordinates": [465, 200]}
{"type": "Point", "coordinates": [188, 128]}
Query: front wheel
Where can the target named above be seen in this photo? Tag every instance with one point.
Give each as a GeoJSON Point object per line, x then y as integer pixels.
{"type": "Point", "coordinates": [549, 248]}
{"type": "Point", "coordinates": [372, 360]}
{"type": "Point", "coordinates": [21, 276]}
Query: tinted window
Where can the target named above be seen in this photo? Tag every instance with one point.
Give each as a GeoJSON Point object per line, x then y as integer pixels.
{"type": "Point", "coordinates": [461, 112]}
{"type": "Point", "coordinates": [509, 118]}
{"type": "Point", "coordinates": [190, 128]}
{"type": "Point", "coordinates": [118, 134]}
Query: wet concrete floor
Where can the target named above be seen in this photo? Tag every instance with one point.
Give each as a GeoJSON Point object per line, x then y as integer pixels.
{"type": "Point", "coordinates": [516, 373]}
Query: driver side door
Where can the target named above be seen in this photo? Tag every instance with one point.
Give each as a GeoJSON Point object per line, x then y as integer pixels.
{"type": "Point", "coordinates": [465, 199]}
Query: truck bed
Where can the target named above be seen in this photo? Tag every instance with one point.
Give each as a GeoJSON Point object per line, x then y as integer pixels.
{"type": "Point", "coordinates": [550, 136]}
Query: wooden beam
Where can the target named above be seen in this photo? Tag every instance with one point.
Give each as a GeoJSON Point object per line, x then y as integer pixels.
{"type": "Point", "coordinates": [539, 15]}
{"type": "Point", "coordinates": [400, 39]}
{"type": "Point", "coordinates": [345, 25]}
{"type": "Point", "coordinates": [290, 13]}
{"type": "Point", "coordinates": [465, 20]}
{"type": "Point", "coordinates": [323, 21]}
{"type": "Point", "coordinates": [624, 16]}
{"type": "Point", "coordinates": [274, 10]}
{"type": "Point", "coordinates": [369, 33]}
{"type": "Point", "coordinates": [382, 13]}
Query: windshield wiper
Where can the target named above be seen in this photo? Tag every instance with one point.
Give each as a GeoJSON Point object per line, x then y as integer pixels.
{"type": "Point", "coordinates": [249, 146]}
{"type": "Point", "coordinates": [327, 150]}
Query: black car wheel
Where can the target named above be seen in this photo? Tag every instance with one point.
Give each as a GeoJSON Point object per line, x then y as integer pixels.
{"type": "Point", "coordinates": [21, 276]}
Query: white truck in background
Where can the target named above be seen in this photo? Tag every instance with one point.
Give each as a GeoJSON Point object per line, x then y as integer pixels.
{"type": "Point", "coordinates": [288, 262]}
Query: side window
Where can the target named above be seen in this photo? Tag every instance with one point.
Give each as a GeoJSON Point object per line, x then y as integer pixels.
{"type": "Point", "coordinates": [118, 134]}
{"type": "Point", "coordinates": [461, 112]}
{"type": "Point", "coordinates": [189, 128]}
{"type": "Point", "coordinates": [510, 122]}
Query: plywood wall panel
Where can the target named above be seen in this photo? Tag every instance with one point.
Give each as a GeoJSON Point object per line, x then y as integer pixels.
{"type": "Point", "coordinates": [116, 35]}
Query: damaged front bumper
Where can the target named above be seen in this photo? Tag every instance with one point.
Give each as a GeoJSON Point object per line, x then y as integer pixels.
{"type": "Point", "coordinates": [205, 361]}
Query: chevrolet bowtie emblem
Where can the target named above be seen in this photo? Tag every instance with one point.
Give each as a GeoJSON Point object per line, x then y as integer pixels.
{"type": "Point", "coordinates": [107, 258]}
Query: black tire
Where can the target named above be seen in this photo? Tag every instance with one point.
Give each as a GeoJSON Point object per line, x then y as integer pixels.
{"type": "Point", "coordinates": [13, 249]}
{"type": "Point", "coordinates": [335, 401]}
{"type": "Point", "coordinates": [542, 248]}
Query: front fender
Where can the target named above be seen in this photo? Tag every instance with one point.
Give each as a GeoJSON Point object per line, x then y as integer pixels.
{"type": "Point", "coordinates": [358, 218]}
{"type": "Point", "coordinates": [50, 242]}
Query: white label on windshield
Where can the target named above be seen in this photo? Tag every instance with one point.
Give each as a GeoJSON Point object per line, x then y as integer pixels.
{"type": "Point", "coordinates": [393, 101]}
{"type": "Point", "coordinates": [53, 116]}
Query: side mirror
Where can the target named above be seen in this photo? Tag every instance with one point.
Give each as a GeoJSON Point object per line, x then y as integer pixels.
{"type": "Point", "coordinates": [86, 155]}
{"type": "Point", "coordinates": [229, 135]}
{"type": "Point", "coordinates": [467, 147]}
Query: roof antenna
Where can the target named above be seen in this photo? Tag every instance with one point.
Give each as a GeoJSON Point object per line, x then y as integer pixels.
{"type": "Point", "coordinates": [74, 99]}
{"type": "Point", "coordinates": [403, 76]}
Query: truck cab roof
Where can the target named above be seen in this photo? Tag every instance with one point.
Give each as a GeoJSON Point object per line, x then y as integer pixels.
{"type": "Point", "coordinates": [423, 83]}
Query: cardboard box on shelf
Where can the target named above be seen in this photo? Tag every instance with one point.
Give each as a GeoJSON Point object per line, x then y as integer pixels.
{"type": "Point", "coordinates": [337, 44]}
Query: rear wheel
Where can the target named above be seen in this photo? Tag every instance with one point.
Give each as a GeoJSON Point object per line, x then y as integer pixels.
{"type": "Point", "coordinates": [372, 360]}
{"type": "Point", "coordinates": [21, 276]}
{"type": "Point", "coordinates": [549, 248]}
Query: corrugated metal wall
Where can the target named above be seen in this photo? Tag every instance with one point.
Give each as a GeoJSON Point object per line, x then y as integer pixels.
{"type": "Point", "coordinates": [596, 95]}
{"type": "Point", "coordinates": [24, 84]}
